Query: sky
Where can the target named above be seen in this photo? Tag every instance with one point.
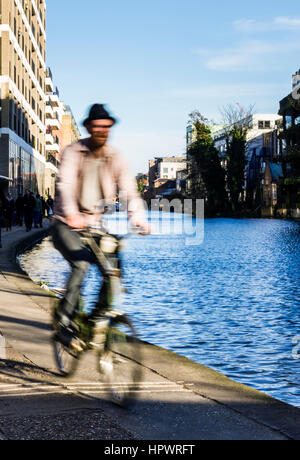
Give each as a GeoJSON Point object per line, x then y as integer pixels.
{"type": "Point", "coordinates": [154, 62]}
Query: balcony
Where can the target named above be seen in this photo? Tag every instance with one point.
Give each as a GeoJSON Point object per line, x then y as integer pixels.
{"type": "Point", "coordinates": [51, 159]}
{"type": "Point", "coordinates": [53, 97]}
{"type": "Point", "coordinates": [49, 110]}
{"type": "Point", "coordinates": [52, 148]}
{"type": "Point", "coordinates": [49, 73]}
{"type": "Point", "coordinates": [49, 85]}
{"type": "Point", "coordinates": [49, 139]}
{"type": "Point", "coordinates": [53, 123]}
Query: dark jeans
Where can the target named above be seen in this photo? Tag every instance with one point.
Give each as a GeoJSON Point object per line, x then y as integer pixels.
{"type": "Point", "coordinates": [28, 218]}
{"type": "Point", "coordinates": [69, 244]}
{"type": "Point", "coordinates": [19, 218]}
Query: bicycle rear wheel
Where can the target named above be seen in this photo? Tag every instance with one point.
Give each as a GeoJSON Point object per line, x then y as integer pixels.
{"type": "Point", "coordinates": [66, 358]}
{"type": "Point", "coordinates": [120, 361]}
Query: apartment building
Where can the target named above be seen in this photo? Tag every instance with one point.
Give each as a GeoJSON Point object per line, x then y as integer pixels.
{"type": "Point", "coordinates": [61, 130]}
{"type": "Point", "coordinates": [288, 194]}
{"type": "Point", "coordinates": [162, 169]}
{"type": "Point", "coordinates": [54, 116]}
{"type": "Point", "coordinates": [69, 132]}
{"type": "Point", "coordinates": [263, 144]}
{"type": "Point", "coordinates": [22, 95]}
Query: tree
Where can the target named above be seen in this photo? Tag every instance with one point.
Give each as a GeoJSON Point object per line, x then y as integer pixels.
{"type": "Point", "coordinates": [236, 164]}
{"type": "Point", "coordinates": [237, 124]}
{"type": "Point", "coordinates": [206, 173]}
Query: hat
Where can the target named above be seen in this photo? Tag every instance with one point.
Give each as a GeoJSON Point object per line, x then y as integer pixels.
{"type": "Point", "coordinates": [98, 112]}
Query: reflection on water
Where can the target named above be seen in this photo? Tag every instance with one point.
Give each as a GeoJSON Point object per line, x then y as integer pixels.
{"type": "Point", "coordinates": [231, 303]}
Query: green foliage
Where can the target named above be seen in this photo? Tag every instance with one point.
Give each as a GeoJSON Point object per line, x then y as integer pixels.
{"type": "Point", "coordinates": [208, 176]}
{"type": "Point", "coordinates": [236, 164]}
{"type": "Point", "coordinates": [140, 188]}
{"type": "Point", "coordinates": [203, 134]}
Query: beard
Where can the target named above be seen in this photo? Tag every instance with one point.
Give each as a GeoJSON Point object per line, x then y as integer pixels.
{"type": "Point", "coordinates": [99, 141]}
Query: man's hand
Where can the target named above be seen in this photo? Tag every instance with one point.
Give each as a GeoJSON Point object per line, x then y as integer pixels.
{"type": "Point", "coordinates": [77, 221]}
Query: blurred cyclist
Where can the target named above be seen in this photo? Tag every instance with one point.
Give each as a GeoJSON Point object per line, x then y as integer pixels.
{"type": "Point", "coordinates": [91, 172]}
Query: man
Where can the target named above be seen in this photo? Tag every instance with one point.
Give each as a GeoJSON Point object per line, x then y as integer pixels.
{"type": "Point", "coordinates": [29, 204]}
{"type": "Point", "coordinates": [90, 173]}
{"type": "Point", "coordinates": [37, 212]}
{"type": "Point", "coordinates": [50, 204]}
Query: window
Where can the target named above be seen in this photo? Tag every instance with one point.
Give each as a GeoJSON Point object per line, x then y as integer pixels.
{"type": "Point", "coordinates": [297, 121]}
{"type": "Point", "coordinates": [288, 121]}
{"type": "Point", "coordinates": [165, 170]}
{"type": "Point", "coordinates": [264, 124]}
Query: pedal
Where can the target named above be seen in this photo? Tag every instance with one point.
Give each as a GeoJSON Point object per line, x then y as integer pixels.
{"type": "Point", "coordinates": [77, 345]}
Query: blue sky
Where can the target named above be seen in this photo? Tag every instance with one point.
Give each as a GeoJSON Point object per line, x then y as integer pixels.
{"type": "Point", "coordinates": [153, 62]}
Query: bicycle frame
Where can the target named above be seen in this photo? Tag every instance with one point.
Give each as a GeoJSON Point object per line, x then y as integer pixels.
{"type": "Point", "coordinates": [111, 274]}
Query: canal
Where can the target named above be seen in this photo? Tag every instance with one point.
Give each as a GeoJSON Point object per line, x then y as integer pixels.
{"type": "Point", "coordinates": [230, 302]}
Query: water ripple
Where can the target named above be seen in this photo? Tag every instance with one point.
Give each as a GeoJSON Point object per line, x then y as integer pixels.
{"type": "Point", "coordinates": [231, 303]}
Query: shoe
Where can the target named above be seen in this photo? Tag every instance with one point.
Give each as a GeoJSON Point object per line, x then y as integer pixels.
{"type": "Point", "coordinates": [65, 335]}
{"type": "Point", "coordinates": [66, 328]}
{"type": "Point", "coordinates": [62, 319]}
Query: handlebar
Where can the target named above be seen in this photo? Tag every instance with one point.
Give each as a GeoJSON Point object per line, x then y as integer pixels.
{"type": "Point", "coordinates": [109, 244]}
{"type": "Point", "coordinates": [100, 232]}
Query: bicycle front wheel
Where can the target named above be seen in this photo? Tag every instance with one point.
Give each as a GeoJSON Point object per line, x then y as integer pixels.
{"type": "Point", "coordinates": [120, 362]}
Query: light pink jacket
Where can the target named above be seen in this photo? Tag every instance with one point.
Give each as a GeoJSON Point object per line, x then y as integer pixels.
{"type": "Point", "coordinates": [115, 178]}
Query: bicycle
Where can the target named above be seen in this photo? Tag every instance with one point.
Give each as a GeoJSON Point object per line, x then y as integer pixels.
{"type": "Point", "coordinates": [112, 334]}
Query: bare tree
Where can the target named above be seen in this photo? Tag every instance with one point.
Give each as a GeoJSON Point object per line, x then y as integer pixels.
{"type": "Point", "coordinates": [196, 116]}
{"type": "Point", "coordinates": [236, 117]}
{"type": "Point", "coordinates": [237, 121]}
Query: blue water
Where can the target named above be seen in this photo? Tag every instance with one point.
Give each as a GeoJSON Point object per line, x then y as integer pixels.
{"type": "Point", "coordinates": [231, 303]}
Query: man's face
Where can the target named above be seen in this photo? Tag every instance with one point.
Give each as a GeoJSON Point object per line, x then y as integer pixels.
{"type": "Point", "coordinates": [99, 131]}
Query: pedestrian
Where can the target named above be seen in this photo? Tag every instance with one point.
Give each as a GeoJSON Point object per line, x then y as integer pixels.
{"type": "Point", "coordinates": [38, 208]}
{"type": "Point", "coordinates": [9, 211]}
{"type": "Point", "coordinates": [19, 210]}
{"type": "Point", "coordinates": [29, 205]}
{"type": "Point", "coordinates": [50, 204]}
{"type": "Point", "coordinates": [2, 210]}
{"type": "Point", "coordinates": [43, 213]}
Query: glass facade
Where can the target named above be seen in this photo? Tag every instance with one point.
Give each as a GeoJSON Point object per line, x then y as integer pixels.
{"type": "Point", "coordinates": [25, 171]}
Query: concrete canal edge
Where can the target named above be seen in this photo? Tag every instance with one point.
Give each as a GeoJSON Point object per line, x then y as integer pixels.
{"type": "Point", "coordinates": [204, 381]}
